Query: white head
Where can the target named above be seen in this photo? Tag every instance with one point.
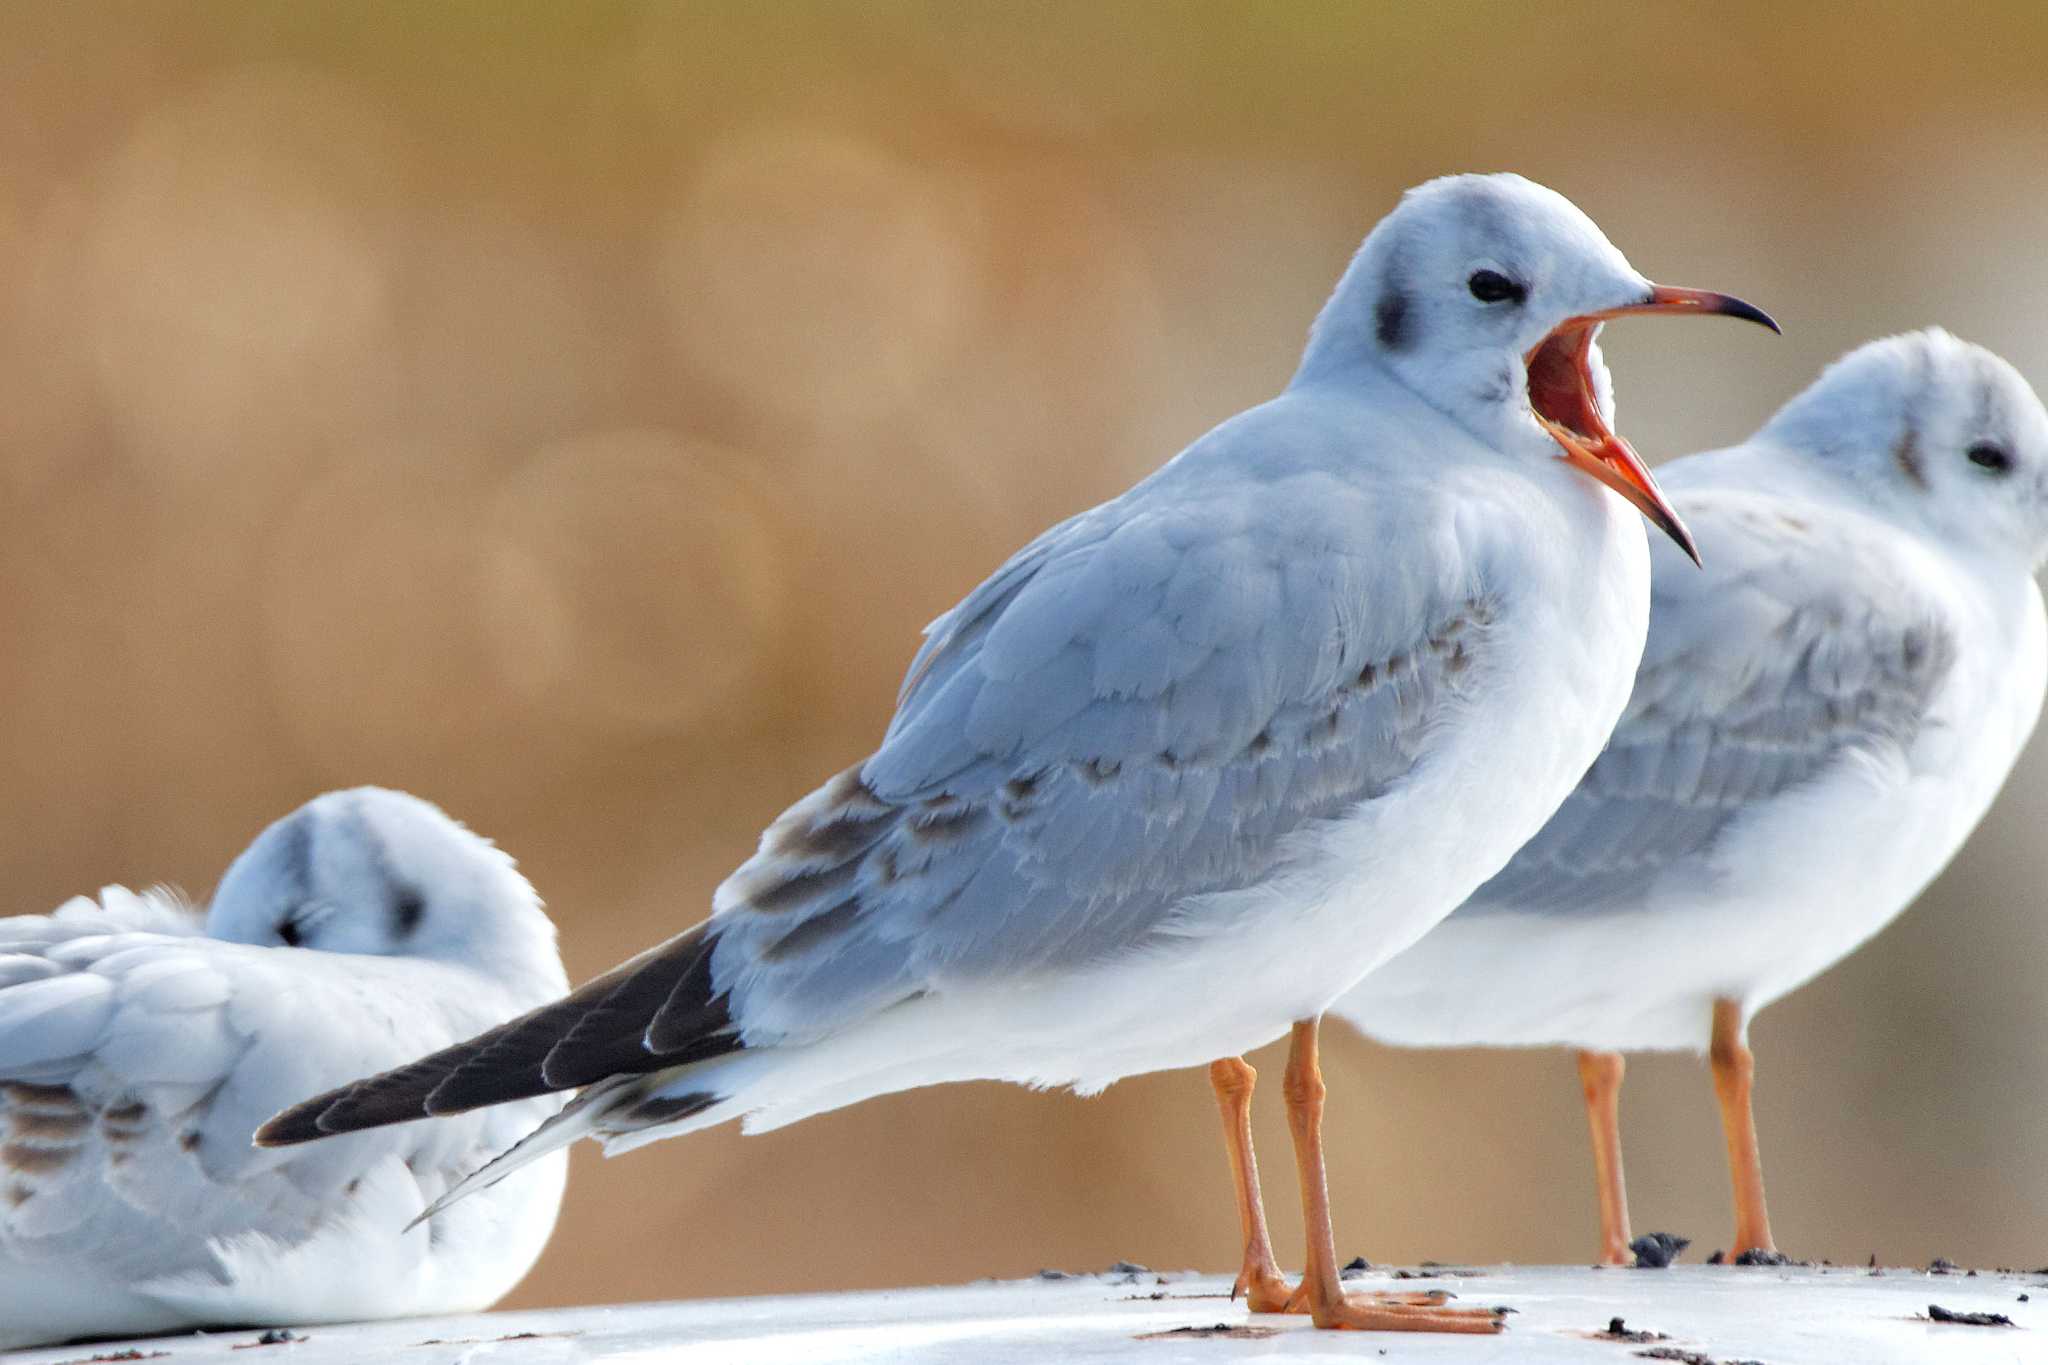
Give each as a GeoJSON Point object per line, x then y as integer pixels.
{"type": "Point", "coordinates": [1945, 434]}
{"type": "Point", "coordinates": [386, 874]}
{"type": "Point", "coordinates": [1483, 295]}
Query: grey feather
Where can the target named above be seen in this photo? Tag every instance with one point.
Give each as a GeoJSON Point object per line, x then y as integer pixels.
{"type": "Point", "coordinates": [1139, 708]}
{"type": "Point", "coordinates": [1797, 650]}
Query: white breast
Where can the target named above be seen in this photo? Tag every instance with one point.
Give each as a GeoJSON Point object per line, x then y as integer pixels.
{"type": "Point", "coordinates": [1796, 885]}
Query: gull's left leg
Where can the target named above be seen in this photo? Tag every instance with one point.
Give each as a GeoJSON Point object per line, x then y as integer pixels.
{"type": "Point", "coordinates": [1322, 1290]}
{"type": "Point", "coordinates": [1734, 1070]}
{"type": "Point", "coordinates": [1264, 1288]}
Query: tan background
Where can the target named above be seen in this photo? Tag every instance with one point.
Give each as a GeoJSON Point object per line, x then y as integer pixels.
{"type": "Point", "coordinates": [572, 413]}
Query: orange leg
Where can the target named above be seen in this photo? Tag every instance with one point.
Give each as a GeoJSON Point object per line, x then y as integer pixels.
{"type": "Point", "coordinates": [1261, 1281]}
{"type": "Point", "coordinates": [1322, 1290]}
{"type": "Point", "coordinates": [1734, 1069]}
{"type": "Point", "coordinates": [1600, 1077]}
{"type": "Point", "coordinates": [1265, 1290]}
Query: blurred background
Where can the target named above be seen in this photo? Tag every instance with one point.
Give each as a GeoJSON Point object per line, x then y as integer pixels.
{"type": "Point", "coordinates": [572, 413]}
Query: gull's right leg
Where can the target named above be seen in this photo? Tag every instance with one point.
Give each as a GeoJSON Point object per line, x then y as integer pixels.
{"type": "Point", "coordinates": [1600, 1077]}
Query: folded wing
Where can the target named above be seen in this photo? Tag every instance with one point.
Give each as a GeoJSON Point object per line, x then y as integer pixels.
{"type": "Point", "coordinates": [1803, 646]}
{"type": "Point", "coordinates": [136, 1063]}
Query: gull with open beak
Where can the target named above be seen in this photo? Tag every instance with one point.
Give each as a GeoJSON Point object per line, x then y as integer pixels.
{"type": "Point", "coordinates": [1191, 763]}
{"type": "Point", "coordinates": [1819, 721]}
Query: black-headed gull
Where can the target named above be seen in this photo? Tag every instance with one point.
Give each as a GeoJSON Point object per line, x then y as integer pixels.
{"type": "Point", "coordinates": [1820, 720]}
{"type": "Point", "coordinates": [1192, 762]}
{"type": "Point", "coordinates": [140, 1047]}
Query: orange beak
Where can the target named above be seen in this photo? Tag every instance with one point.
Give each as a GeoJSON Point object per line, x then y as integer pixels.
{"type": "Point", "coordinates": [1561, 395]}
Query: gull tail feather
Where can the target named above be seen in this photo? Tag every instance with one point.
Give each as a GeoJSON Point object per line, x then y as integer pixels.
{"type": "Point", "coordinates": [574, 1120]}
{"type": "Point", "coordinates": [622, 1113]}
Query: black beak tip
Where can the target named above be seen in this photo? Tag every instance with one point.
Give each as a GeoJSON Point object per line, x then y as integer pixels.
{"type": "Point", "coordinates": [1682, 538]}
{"type": "Point", "coordinates": [1711, 301]}
{"type": "Point", "coordinates": [1749, 312]}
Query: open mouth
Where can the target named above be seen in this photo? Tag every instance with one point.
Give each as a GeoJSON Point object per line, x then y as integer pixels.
{"type": "Point", "coordinates": [1561, 387]}
{"type": "Point", "coordinates": [1561, 397]}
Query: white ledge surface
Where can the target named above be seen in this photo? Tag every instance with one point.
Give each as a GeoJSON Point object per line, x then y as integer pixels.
{"type": "Point", "coordinates": [1777, 1317]}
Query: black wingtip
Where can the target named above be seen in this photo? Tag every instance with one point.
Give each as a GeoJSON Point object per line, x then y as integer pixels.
{"type": "Point", "coordinates": [300, 1123]}
{"type": "Point", "coordinates": [599, 1031]}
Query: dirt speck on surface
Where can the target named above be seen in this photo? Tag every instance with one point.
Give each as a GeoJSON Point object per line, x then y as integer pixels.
{"type": "Point", "coordinates": [276, 1336]}
{"type": "Point", "coordinates": [1354, 1267]}
{"type": "Point", "coordinates": [492, 1341]}
{"type": "Point", "coordinates": [1936, 1313]}
{"type": "Point", "coordinates": [1618, 1330]}
{"type": "Point", "coordinates": [1122, 1272]}
{"type": "Point", "coordinates": [132, 1353]}
{"type": "Point", "coordinates": [1245, 1330]}
{"type": "Point", "coordinates": [1656, 1250]}
{"type": "Point", "coordinates": [1756, 1257]}
{"type": "Point", "coordinates": [1685, 1357]}
{"type": "Point", "coordinates": [1942, 1265]}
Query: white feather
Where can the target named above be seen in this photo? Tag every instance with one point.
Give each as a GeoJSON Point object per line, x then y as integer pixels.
{"type": "Point", "coordinates": [139, 1053]}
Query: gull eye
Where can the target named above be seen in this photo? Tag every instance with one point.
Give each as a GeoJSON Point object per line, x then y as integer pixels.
{"type": "Point", "coordinates": [1991, 456]}
{"type": "Point", "coordinates": [1490, 286]}
{"type": "Point", "coordinates": [289, 932]}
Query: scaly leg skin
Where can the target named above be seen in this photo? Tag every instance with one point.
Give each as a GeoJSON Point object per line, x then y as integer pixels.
{"type": "Point", "coordinates": [1261, 1282]}
{"type": "Point", "coordinates": [1600, 1077]}
{"type": "Point", "coordinates": [1264, 1288]}
{"type": "Point", "coordinates": [1734, 1070]}
{"type": "Point", "coordinates": [1321, 1289]}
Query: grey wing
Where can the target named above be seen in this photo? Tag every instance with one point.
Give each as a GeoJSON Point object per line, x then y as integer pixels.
{"type": "Point", "coordinates": [114, 1043]}
{"type": "Point", "coordinates": [157, 910]}
{"type": "Point", "coordinates": [1800, 648]}
{"type": "Point", "coordinates": [1139, 713]}
{"type": "Point", "coordinates": [1139, 709]}
{"type": "Point", "coordinates": [135, 1065]}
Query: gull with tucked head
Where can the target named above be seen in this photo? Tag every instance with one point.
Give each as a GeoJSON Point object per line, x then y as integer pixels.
{"type": "Point", "coordinates": [1819, 721]}
{"type": "Point", "coordinates": [1190, 764]}
{"type": "Point", "coordinates": [140, 1046]}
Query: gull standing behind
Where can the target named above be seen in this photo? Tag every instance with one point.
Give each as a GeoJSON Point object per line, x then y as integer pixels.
{"type": "Point", "coordinates": [139, 1049]}
{"type": "Point", "coordinates": [1820, 720]}
{"type": "Point", "coordinates": [1191, 763]}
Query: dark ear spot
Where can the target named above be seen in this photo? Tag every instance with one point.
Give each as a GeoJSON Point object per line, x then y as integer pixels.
{"type": "Point", "coordinates": [1391, 322]}
{"type": "Point", "coordinates": [408, 908]}
{"type": "Point", "coordinates": [1906, 455]}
